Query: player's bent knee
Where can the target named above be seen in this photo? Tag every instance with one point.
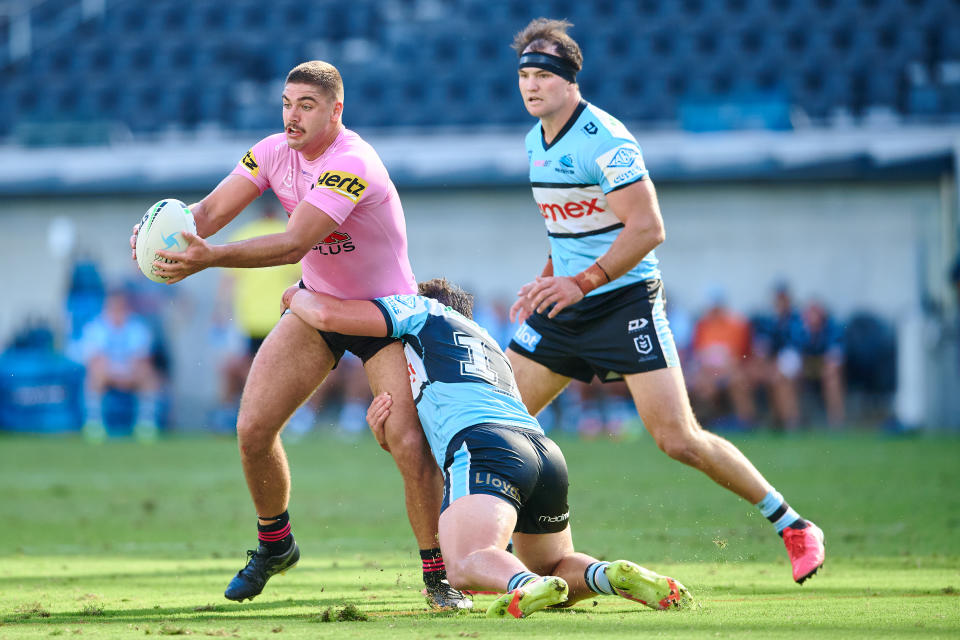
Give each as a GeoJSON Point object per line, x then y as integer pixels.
{"type": "Point", "coordinates": [682, 448]}
{"type": "Point", "coordinates": [255, 436]}
{"type": "Point", "coordinates": [409, 449]}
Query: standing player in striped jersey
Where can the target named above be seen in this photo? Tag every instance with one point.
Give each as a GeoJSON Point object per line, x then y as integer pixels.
{"type": "Point", "coordinates": [598, 307]}
{"type": "Point", "coordinates": [502, 475]}
{"type": "Point", "coordinates": [346, 227]}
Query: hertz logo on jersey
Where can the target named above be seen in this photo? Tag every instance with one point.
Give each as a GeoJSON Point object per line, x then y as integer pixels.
{"type": "Point", "coordinates": [250, 163]}
{"type": "Point", "coordinates": [346, 184]}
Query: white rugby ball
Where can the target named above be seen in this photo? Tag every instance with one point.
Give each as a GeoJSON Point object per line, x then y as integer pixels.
{"type": "Point", "coordinates": [162, 227]}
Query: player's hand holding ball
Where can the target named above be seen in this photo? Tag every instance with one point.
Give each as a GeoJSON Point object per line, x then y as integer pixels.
{"type": "Point", "coordinates": [177, 265]}
{"type": "Point", "coordinates": [164, 231]}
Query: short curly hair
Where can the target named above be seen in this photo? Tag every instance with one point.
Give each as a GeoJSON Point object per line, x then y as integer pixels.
{"type": "Point", "coordinates": [544, 34]}
{"type": "Point", "coordinates": [448, 294]}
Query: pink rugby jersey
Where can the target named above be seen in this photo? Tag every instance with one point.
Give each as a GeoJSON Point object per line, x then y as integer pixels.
{"type": "Point", "coordinates": [366, 257]}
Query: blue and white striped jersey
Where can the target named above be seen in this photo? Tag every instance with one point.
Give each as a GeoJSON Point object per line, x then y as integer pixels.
{"type": "Point", "coordinates": [593, 155]}
{"type": "Point", "coordinates": [458, 374]}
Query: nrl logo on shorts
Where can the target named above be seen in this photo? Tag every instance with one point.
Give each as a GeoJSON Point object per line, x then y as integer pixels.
{"type": "Point", "coordinates": [643, 344]}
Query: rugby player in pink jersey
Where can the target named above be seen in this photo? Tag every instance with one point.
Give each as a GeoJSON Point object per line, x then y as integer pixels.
{"type": "Point", "coordinates": [346, 228]}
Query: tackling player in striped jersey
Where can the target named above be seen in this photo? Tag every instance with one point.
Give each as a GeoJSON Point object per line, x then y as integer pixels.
{"type": "Point", "coordinates": [598, 307]}
{"type": "Point", "coordinates": [503, 477]}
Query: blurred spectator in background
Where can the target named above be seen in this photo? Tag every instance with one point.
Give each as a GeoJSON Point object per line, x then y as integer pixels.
{"type": "Point", "coordinates": [150, 302]}
{"type": "Point", "coordinates": [778, 362]}
{"type": "Point", "coordinates": [84, 302]}
{"type": "Point", "coordinates": [682, 326]}
{"type": "Point", "coordinates": [720, 347]}
{"type": "Point", "coordinates": [249, 297]}
{"type": "Point", "coordinates": [823, 357]}
{"type": "Point", "coordinates": [494, 315]}
{"type": "Point", "coordinates": [116, 351]}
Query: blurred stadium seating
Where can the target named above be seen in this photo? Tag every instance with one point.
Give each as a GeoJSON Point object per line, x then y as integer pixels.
{"type": "Point", "coordinates": [834, 127]}
{"type": "Point", "coordinates": [703, 65]}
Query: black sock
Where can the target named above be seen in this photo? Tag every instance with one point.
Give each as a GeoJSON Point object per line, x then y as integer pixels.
{"type": "Point", "coordinates": [275, 537]}
{"type": "Point", "coordinates": [799, 523]}
{"type": "Point", "coordinates": [433, 568]}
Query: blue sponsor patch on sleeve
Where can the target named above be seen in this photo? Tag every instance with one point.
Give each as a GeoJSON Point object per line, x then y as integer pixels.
{"type": "Point", "coordinates": [621, 166]}
{"type": "Point", "coordinates": [527, 337]}
{"type": "Point", "coordinates": [623, 158]}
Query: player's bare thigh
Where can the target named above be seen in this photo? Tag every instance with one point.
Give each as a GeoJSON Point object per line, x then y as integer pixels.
{"type": "Point", "coordinates": [538, 385]}
{"type": "Point", "coordinates": [387, 372]}
{"type": "Point", "coordinates": [662, 402]}
{"type": "Point", "coordinates": [475, 522]}
{"type": "Point", "coordinates": [292, 361]}
{"type": "Point", "coordinates": [542, 552]}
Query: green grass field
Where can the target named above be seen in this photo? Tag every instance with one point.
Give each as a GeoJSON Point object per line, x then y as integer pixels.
{"type": "Point", "coordinates": [125, 540]}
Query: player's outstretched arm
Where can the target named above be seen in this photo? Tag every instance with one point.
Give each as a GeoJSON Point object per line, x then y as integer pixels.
{"type": "Point", "coordinates": [222, 205]}
{"type": "Point", "coordinates": [329, 313]}
{"type": "Point", "coordinates": [307, 226]}
{"type": "Point", "coordinates": [211, 214]}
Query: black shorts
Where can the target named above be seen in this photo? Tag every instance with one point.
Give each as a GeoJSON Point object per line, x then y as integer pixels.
{"type": "Point", "coordinates": [519, 466]}
{"type": "Point", "coordinates": [609, 334]}
{"type": "Point", "coordinates": [364, 347]}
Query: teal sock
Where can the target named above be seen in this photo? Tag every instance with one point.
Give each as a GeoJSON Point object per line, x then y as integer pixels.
{"type": "Point", "coordinates": [520, 579]}
{"type": "Point", "coordinates": [775, 509]}
{"type": "Point", "coordinates": [596, 578]}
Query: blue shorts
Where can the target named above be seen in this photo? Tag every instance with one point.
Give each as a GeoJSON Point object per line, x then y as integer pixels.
{"type": "Point", "coordinates": [519, 466]}
{"type": "Point", "coordinates": [606, 335]}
